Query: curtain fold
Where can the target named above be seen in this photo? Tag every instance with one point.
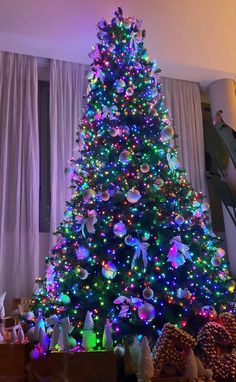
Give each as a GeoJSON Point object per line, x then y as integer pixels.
{"type": "Point", "coordinates": [19, 174]}
{"type": "Point", "coordinates": [183, 100]}
{"type": "Point", "coordinates": [67, 88]}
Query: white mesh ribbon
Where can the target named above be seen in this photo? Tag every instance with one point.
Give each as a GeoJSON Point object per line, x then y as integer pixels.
{"type": "Point", "coordinates": [140, 250]}
{"type": "Point", "coordinates": [61, 329]}
{"type": "Point", "coordinates": [178, 252]}
{"type": "Point", "coordinates": [136, 38]}
{"type": "Point", "coordinates": [88, 222]}
{"type": "Point", "coordinates": [109, 112]}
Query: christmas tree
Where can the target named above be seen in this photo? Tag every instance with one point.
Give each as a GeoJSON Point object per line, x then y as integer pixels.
{"type": "Point", "coordinates": [135, 246]}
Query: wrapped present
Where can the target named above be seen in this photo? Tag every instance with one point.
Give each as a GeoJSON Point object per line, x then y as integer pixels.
{"type": "Point", "coordinates": [83, 366]}
{"type": "Point", "coordinates": [13, 359]}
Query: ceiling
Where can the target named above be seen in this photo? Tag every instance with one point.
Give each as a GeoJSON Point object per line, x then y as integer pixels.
{"type": "Point", "coordinates": [191, 39]}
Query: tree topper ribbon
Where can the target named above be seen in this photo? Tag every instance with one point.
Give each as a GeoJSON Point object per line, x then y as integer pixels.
{"type": "Point", "coordinates": [141, 248]}
{"type": "Point", "coordinates": [136, 38]}
{"type": "Point", "coordinates": [99, 74]}
{"type": "Point", "coordinates": [178, 252]}
{"type": "Point", "coordinates": [88, 222]}
{"type": "Point", "coordinates": [61, 329]}
{"type": "Point", "coordinates": [109, 112]}
{"type": "Point", "coordinates": [95, 53]}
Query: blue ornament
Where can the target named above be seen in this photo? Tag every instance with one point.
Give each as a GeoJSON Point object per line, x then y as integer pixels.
{"type": "Point", "coordinates": [82, 253]}
{"type": "Point", "coordinates": [109, 270]}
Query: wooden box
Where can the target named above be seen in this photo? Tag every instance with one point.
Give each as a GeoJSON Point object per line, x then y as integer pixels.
{"type": "Point", "coordinates": [83, 366]}
{"type": "Point", "coordinates": [13, 358]}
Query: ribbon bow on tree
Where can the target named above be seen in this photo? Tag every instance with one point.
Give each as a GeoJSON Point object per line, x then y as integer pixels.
{"type": "Point", "coordinates": [178, 252]}
{"type": "Point", "coordinates": [136, 38]}
{"type": "Point", "coordinates": [140, 249]}
{"type": "Point", "coordinates": [109, 112]}
{"type": "Point", "coordinates": [61, 330]}
{"type": "Point", "coordinates": [88, 222]}
{"type": "Point", "coordinates": [126, 303]}
{"type": "Point", "coordinates": [95, 53]}
{"type": "Point", "coordinates": [99, 74]}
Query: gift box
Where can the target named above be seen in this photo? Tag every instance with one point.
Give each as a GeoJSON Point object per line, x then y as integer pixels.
{"type": "Point", "coordinates": [83, 366]}
{"type": "Point", "coordinates": [13, 359]}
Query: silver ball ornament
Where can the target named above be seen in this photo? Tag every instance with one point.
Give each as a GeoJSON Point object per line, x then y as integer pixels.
{"type": "Point", "coordinates": [125, 156]}
{"type": "Point", "coordinates": [167, 133]}
{"type": "Point", "coordinates": [146, 312]}
{"type": "Point", "coordinates": [179, 219]}
{"type": "Point", "coordinates": [148, 293]}
{"type": "Point", "coordinates": [83, 274]}
{"type": "Point", "coordinates": [216, 261]}
{"type": "Point", "coordinates": [144, 168]}
{"type": "Point", "coordinates": [129, 92]}
{"type": "Point", "coordinates": [133, 196]}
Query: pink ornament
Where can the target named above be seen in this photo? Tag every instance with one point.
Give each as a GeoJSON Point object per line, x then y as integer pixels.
{"type": "Point", "coordinates": [167, 133]}
{"type": "Point", "coordinates": [216, 261]}
{"type": "Point", "coordinates": [133, 196]}
{"type": "Point", "coordinates": [125, 157]}
{"type": "Point", "coordinates": [114, 132]}
{"type": "Point", "coordinates": [105, 196]}
{"type": "Point", "coordinates": [220, 252]}
{"type": "Point", "coordinates": [129, 92]}
{"type": "Point", "coordinates": [144, 168]}
{"type": "Point", "coordinates": [146, 312]}
{"type": "Point", "coordinates": [120, 229]}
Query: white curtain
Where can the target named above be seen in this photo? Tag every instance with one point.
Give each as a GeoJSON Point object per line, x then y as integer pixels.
{"type": "Point", "coordinates": [67, 88]}
{"type": "Point", "coordinates": [19, 175]}
{"type": "Point", "coordinates": [183, 100]}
